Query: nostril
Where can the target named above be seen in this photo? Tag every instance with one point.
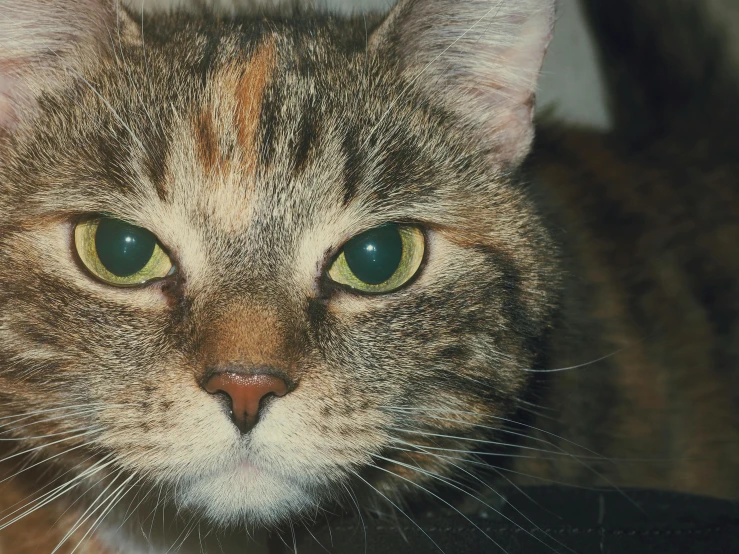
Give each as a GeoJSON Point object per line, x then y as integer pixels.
{"type": "Point", "coordinates": [246, 393]}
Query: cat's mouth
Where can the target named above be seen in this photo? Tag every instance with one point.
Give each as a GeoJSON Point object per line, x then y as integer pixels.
{"type": "Point", "coordinates": [249, 467]}
{"type": "Point", "coordinates": [246, 490]}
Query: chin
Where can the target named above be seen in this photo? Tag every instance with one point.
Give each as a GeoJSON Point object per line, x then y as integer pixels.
{"type": "Point", "coordinates": [246, 495]}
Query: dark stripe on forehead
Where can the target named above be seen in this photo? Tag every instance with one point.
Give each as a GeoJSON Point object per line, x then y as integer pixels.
{"type": "Point", "coordinates": [270, 123]}
{"type": "Point", "coordinates": [109, 165]}
{"type": "Point", "coordinates": [157, 149]}
{"type": "Point", "coordinates": [510, 292]}
{"type": "Point", "coordinates": [250, 92]}
{"type": "Point", "coordinates": [213, 38]}
{"type": "Point", "coordinates": [401, 167]}
{"type": "Point", "coordinates": [306, 137]}
{"type": "Point", "coordinates": [353, 165]}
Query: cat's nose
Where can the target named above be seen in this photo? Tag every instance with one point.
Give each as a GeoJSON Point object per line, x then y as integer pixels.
{"type": "Point", "coordinates": [246, 392]}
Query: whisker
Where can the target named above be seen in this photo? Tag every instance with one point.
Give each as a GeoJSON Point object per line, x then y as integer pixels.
{"type": "Point", "coordinates": [52, 495]}
{"type": "Point", "coordinates": [88, 513]}
{"type": "Point", "coordinates": [451, 483]}
{"type": "Point", "coordinates": [154, 511]}
{"type": "Point", "coordinates": [105, 102]}
{"type": "Point", "coordinates": [47, 445]}
{"type": "Point", "coordinates": [485, 465]}
{"type": "Point", "coordinates": [487, 454]}
{"type": "Point", "coordinates": [441, 500]}
{"type": "Point", "coordinates": [126, 68]}
{"type": "Point", "coordinates": [9, 429]}
{"type": "Point", "coordinates": [149, 81]}
{"type": "Point", "coordinates": [129, 513]}
{"type": "Point", "coordinates": [113, 500]}
{"type": "Point", "coordinates": [114, 113]}
{"type": "Point", "coordinates": [507, 480]}
{"type": "Point", "coordinates": [83, 445]}
{"type": "Point", "coordinates": [519, 512]}
{"type": "Point", "coordinates": [480, 441]}
{"type": "Point", "coordinates": [399, 510]}
{"type": "Point", "coordinates": [578, 459]}
{"type": "Point", "coordinates": [183, 536]}
{"type": "Point", "coordinates": [512, 484]}
{"type": "Point", "coordinates": [35, 497]}
{"type": "Point", "coordinates": [490, 428]}
{"type": "Point", "coordinates": [559, 452]}
{"type": "Point", "coordinates": [38, 437]}
{"type": "Point", "coordinates": [578, 366]}
{"type": "Point", "coordinates": [46, 486]}
{"type": "Point", "coordinates": [499, 418]}
{"type": "Point", "coordinates": [319, 543]}
{"type": "Point", "coordinates": [353, 497]}
{"type": "Point", "coordinates": [49, 410]}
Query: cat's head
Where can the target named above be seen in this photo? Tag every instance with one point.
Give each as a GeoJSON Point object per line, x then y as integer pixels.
{"type": "Point", "coordinates": [313, 223]}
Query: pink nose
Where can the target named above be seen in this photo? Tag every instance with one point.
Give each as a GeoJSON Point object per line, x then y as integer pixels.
{"type": "Point", "coordinates": [246, 393]}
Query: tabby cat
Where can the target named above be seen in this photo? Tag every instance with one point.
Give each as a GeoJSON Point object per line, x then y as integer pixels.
{"type": "Point", "coordinates": [252, 265]}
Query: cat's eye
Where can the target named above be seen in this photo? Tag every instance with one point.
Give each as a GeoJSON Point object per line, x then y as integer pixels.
{"type": "Point", "coordinates": [380, 260]}
{"type": "Point", "coordinates": [119, 253]}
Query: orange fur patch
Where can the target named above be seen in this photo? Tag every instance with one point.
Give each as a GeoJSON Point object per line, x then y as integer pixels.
{"type": "Point", "coordinates": [249, 95]}
{"type": "Point", "coordinates": [249, 337]}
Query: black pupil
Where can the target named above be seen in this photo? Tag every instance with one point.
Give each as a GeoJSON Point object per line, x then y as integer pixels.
{"type": "Point", "coordinates": [123, 248]}
{"type": "Point", "coordinates": [375, 255]}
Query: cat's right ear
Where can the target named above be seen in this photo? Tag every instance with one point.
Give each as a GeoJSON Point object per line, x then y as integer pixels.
{"type": "Point", "coordinates": [481, 58]}
{"type": "Point", "coordinates": [44, 42]}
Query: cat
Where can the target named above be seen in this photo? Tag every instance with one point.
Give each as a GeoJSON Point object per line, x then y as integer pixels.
{"type": "Point", "coordinates": [251, 265]}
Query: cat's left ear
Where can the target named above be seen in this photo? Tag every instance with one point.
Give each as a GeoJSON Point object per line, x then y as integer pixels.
{"type": "Point", "coordinates": [45, 42]}
{"type": "Point", "coordinates": [480, 57]}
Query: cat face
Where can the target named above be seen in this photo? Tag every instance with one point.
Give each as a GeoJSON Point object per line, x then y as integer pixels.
{"type": "Point", "coordinates": [253, 152]}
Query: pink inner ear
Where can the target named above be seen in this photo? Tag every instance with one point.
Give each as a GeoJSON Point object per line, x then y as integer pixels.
{"type": "Point", "coordinates": [15, 98]}
{"type": "Point", "coordinates": [40, 40]}
{"type": "Point", "coordinates": [482, 56]}
{"type": "Point", "coordinates": [7, 110]}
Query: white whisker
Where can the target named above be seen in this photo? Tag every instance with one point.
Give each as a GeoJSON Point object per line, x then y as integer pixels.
{"type": "Point", "coordinates": [87, 514]}
{"type": "Point", "coordinates": [49, 410]}
{"type": "Point", "coordinates": [443, 501]}
{"type": "Point", "coordinates": [498, 418]}
{"type": "Point", "coordinates": [33, 438]}
{"type": "Point", "coordinates": [113, 500]}
{"type": "Point", "coordinates": [353, 497]}
{"type": "Point", "coordinates": [486, 485]}
{"type": "Point", "coordinates": [45, 460]}
{"type": "Point", "coordinates": [479, 453]}
{"type": "Point", "coordinates": [399, 510]}
{"type": "Point", "coordinates": [451, 483]}
{"type": "Point", "coordinates": [35, 449]}
{"type": "Point", "coordinates": [480, 441]}
{"type": "Point", "coordinates": [578, 366]}
{"type": "Point", "coordinates": [54, 494]}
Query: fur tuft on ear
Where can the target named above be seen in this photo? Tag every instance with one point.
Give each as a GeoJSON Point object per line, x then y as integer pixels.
{"type": "Point", "coordinates": [480, 57]}
{"type": "Point", "coordinates": [42, 41]}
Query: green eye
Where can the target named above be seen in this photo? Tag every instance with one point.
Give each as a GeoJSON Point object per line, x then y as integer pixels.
{"type": "Point", "coordinates": [119, 253]}
{"type": "Point", "coordinates": [380, 260]}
